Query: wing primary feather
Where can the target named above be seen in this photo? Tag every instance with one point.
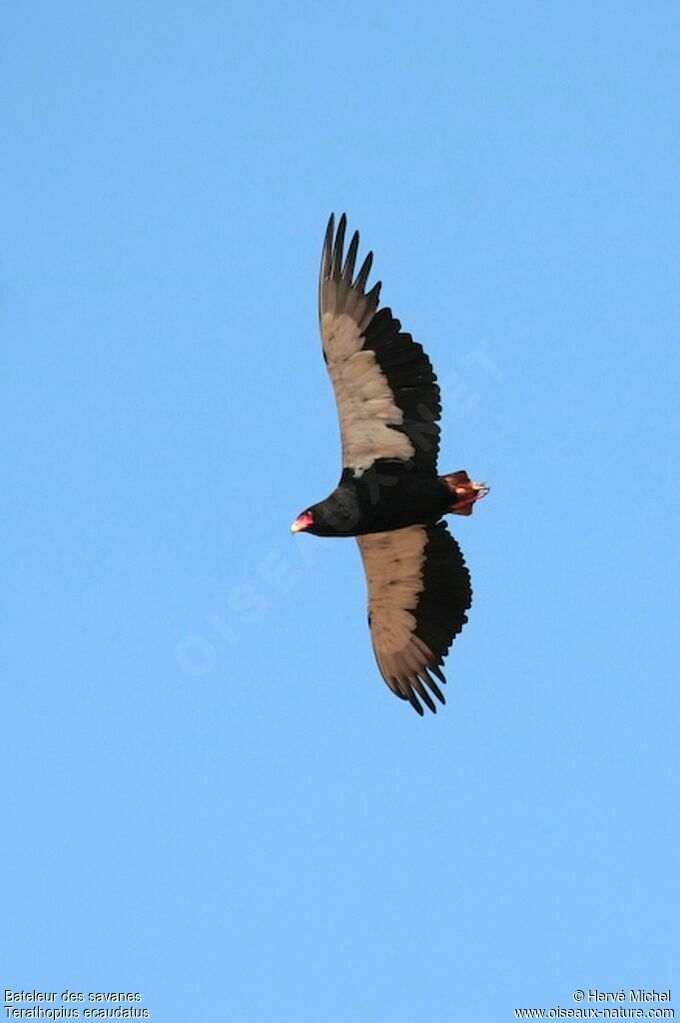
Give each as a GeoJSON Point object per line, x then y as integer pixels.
{"type": "Point", "coordinates": [326, 255]}
{"type": "Point", "coordinates": [433, 686]}
{"type": "Point", "coordinates": [424, 695]}
{"type": "Point", "coordinates": [374, 294]}
{"type": "Point", "coordinates": [327, 247]}
{"type": "Point", "coordinates": [413, 700]}
{"type": "Point", "coordinates": [362, 276]}
{"type": "Point", "coordinates": [336, 265]}
{"type": "Point", "coordinates": [436, 671]}
{"type": "Point", "coordinates": [351, 258]}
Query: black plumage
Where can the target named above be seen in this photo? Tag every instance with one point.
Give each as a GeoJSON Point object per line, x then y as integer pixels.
{"type": "Point", "coordinates": [413, 383]}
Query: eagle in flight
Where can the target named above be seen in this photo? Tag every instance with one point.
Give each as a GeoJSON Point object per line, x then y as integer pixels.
{"type": "Point", "coordinates": [390, 496]}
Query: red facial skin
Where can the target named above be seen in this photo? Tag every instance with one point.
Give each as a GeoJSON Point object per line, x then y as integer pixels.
{"type": "Point", "coordinates": [302, 522]}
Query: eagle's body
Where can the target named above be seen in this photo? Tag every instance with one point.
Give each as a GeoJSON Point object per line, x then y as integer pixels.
{"type": "Point", "coordinates": [390, 495]}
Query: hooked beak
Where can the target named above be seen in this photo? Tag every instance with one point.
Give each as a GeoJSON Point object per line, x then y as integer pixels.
{"type": "Point", "coordinates": [301, 523]}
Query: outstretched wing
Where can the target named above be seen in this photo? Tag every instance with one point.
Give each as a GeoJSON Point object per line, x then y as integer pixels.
{"type": "Point", "coordinates": [385, 387]}
{"type": "Point", "coordinates": [418, 593]}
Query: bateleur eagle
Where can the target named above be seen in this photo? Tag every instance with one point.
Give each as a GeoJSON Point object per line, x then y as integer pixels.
{"type": "Point", "coordinates": [390, 496]}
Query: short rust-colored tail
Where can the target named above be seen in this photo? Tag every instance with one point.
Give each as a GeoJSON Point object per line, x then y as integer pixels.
{"type": "Point", "coordinates": [466, 492]}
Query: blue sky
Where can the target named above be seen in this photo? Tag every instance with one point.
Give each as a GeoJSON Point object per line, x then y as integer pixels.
{"type": "Point", "coordinates": [209, 795]}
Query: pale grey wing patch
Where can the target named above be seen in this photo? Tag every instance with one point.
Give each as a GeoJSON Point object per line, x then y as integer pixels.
{"type": "Point", "coordinates": [366, 406]}
{"type": "Point", "coordinates": [394, 563]}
